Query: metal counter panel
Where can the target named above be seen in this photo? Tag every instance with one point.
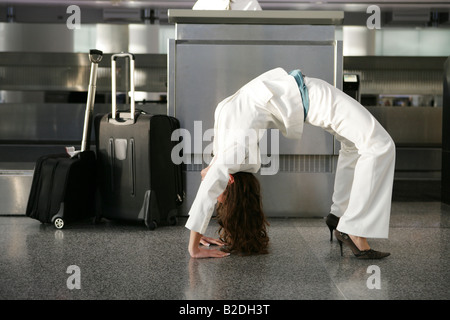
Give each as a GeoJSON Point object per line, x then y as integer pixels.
{"type": "Point", "coordinates": [411, 126]}
{"type": "Point", "coordinates": [211, 72]}
{"type": "Point", "coordinates": [285, 194]}
{"type": "Point", "coordinates": [59, 123]}
{"type": "Point", "coordinates": [14, 191]}
{"type": "Point", "coordinates": [225, 32]}
{"type": "Point", "coordinates": [248, 17]}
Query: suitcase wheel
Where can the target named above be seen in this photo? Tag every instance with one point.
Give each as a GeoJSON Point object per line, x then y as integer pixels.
{"type": "Point", "coordinates": [152, 225]}
{"type": "Point", "coordinates": [96, 219]}
{"type": "Point", "coordinates": [58, 223]}
{"type": "Point", "coordinates": [173, 221]}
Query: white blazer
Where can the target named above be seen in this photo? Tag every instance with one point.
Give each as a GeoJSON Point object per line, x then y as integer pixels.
{"type": "Point", "coordinates": [270, 101]}
{"type": "Point", "coordinates": [227, 5]}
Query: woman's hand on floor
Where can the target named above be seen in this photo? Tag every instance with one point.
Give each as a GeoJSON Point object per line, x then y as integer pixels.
{"type": "Point", "coordinates": [207, 241]}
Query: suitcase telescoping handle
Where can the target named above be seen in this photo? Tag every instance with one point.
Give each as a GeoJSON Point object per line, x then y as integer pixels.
{"type": "Point", "coordinates": [95, 56]}
{"type": "Point", "coordinates": [113, 83]}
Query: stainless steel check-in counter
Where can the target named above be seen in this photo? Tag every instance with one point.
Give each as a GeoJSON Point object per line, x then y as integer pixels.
{"type": "Point", "coordinates": [213, 54]}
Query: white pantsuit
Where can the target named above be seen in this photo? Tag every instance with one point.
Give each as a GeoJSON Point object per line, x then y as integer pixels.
{"type": "Point", "coordinates": [364, 174]}
{"type": "Point", "coordinates": [365, 170]}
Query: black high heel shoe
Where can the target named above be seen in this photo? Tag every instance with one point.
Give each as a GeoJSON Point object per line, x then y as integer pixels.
{"type": "Point", "coordinates": [332, 222]}
{"type": "Point", "coordinates": [365, 254]}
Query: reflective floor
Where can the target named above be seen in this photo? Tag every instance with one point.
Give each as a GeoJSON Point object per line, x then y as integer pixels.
{"type": "Point", "coordinates": [116, 261]}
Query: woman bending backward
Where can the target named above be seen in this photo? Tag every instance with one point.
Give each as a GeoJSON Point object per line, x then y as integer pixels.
{"type": "Point", "coordinates": [361, 200]}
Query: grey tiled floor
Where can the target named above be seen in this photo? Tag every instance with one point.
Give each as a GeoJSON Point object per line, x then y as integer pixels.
{"type": "Point", "coordinates": [118, 261]}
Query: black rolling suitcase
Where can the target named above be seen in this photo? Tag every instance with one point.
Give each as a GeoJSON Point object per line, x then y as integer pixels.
{"type": "Point", "coordinates": [137, 178]}
{"type": "Point", "coordinates": [63, 186]}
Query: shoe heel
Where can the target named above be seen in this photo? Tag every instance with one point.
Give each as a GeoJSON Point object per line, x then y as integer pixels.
{"type": "Point", "coordinates": [332, 222]}
{"type": "Point", "coordinates": [331, 233]}
{"type": "Point", "coordinates": [340, 245]}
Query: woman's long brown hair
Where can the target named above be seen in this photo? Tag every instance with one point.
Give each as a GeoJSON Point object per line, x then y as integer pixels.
{"type": "Point", "coordinates": [241, 218]}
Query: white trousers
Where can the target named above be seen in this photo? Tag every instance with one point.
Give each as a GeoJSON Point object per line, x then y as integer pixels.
{"type": "Point", "coordinates": [365, 170]}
